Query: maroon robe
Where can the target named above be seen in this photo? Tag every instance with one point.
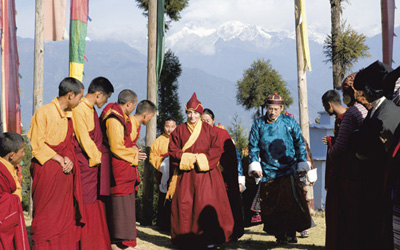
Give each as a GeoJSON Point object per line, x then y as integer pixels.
{"type": "Point", "coordinates": [12, 224]}
{"type": "Point", "coordinates": [124, 181]}
{"type": "Point", "coordinates": [125, 176]}
{"type": "Point", "coordinates": [229, 162]}
{"type": "Point", "coordinates": [331, 140]}
{"type": "Point", "coordinates": [331, 205]}
{"type": "Point", "coordinates": [200, 210]}
{"type": "Point", "coordinates": [95, 233]}
{"type": "Point", "coordinates": [57, 200]}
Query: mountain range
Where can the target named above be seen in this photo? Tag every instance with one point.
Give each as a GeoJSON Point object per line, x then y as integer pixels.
{"type": "Point", "coordinates": [212, 60]}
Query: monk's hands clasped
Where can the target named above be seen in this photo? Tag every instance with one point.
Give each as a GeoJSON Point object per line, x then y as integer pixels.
{"type": "Point", "coordinates": [68, 165]}
{"type": "Point", "coordinates": [65, 163]}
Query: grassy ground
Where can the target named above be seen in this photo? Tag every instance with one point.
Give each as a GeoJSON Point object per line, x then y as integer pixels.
{"type": "Point", "coordinates": [253, 239]}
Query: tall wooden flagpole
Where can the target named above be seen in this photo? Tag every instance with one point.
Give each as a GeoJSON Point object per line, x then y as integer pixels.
{"type": "Point", "coordinates": [148, 174]}
{"type": "Point", "coordinates": [39, 56]}
{"type": "Point", "coordinates": [301, 75]}
{"type": "Point", "coordinates": [38, 69]}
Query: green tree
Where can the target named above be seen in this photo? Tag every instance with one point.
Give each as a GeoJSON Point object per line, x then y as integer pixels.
{"type": "Point", "coordinates": [259, 81]}
{"type": "Point", "coordinates": [238, 133]}
{"type": "Point", "coordinates": [168, 91]}
{"type": "Point", "coordinates": [350, 47]}
{"type": "Point", "coordinates": [172, 8]}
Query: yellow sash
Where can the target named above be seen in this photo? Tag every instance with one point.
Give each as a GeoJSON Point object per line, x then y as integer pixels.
{"type": "Point", "coordinates": [185, 163]}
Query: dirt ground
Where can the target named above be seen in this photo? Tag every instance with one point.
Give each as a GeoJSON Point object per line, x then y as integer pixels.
{"type": "Point", "coordinates": [254, 238]}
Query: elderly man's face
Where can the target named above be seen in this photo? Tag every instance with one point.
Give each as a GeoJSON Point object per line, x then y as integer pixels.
{"type": "Point", "coordinates": [274, 110]}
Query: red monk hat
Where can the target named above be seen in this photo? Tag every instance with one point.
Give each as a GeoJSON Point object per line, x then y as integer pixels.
{"type": "Point", "coordinates": [194, 104]}
{"type": "Point", "coordinates": [274, 99]}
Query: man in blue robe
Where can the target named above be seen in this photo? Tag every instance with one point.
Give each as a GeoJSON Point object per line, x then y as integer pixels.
{"type": "Point", "coordinates": [277, 154]}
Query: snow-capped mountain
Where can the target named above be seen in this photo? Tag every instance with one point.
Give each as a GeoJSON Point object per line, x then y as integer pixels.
{"type": "Point", "coordinates": [194, 37]}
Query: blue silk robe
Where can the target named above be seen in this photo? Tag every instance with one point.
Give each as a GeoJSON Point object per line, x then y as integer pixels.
{"type": "Point", "coordinates": [278, 146]}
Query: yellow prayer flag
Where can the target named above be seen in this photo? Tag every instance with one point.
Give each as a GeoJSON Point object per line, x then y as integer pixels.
{"type": "Point", "coordinates": [304, 34]}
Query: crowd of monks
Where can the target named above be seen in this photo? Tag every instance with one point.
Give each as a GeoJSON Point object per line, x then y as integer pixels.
{"type": "Point", "coordinates": [85, 171]}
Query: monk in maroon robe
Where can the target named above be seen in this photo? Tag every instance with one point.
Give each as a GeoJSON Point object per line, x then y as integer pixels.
{"type": "Point", "coordinates": [89, 149]}
{"type": "Point", "coordinates": [121, 135]}
{"type": "Point", "coordinates": [56, 187]}
{"type": "Point", "coordinates": [12, 224]}
{"type": "Point", "coordinates": [200, 210]}
{"type": "Point", "coordinates": [228, 164]}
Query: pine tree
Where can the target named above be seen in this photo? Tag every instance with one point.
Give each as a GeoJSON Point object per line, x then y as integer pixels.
{"type": "Point", "coordinates": [238, 133]}
{"type": "Point", "coordinates": [350, 47]}
{"type": "Point", "coordinates": [259, 81]}
{"type": "Point", "coordinates": [168, 91]}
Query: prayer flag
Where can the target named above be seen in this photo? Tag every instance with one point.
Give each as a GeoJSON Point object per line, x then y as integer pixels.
{"type": "Point", "coordinates": [10, 99]}
{"type": "Point", "coordinates": [304, 34]}
{"type": "Point", "coordinates": [54, 19]}
{"type": "Point", "coordinates": [77, 42]}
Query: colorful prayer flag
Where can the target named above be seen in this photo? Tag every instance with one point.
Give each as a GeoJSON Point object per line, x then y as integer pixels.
{"type": "Point", "coordinates": [77, 42]}
{"type": "Point", "coordinates": [10, 99]}
{"type": "Point", "coordinates": [54, 19]}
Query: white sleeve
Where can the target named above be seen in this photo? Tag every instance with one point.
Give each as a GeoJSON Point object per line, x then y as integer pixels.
{"type": "Point", "coordinates": [164, 169]}
{"type": "Point", "coordinates": [242, 181]}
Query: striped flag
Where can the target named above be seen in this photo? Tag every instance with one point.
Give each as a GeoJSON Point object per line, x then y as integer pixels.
{"type": "Point", "coordinates": [387, 8]}
{"type": "Point", "coordinates": [54, 19]}
{"type": "Point", "coordinates": [10, 99]}
{"type": "Point", "coordinates": [304, 34]}
{"type": "Point", "coordinates": [77, 42]}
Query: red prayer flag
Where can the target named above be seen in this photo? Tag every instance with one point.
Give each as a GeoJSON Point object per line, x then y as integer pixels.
{"type": "Point", "coordinates": [10, 101]}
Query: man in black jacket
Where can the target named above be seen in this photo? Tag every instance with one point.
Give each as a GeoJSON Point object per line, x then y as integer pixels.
{"type": "Point", "coordinates": [371, 145]}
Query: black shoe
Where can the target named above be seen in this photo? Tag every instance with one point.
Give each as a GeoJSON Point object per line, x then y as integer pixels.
{"type": "Point", "coordinates": [281, 241]}
{"type": "Point", "coordinates": [292, 239]}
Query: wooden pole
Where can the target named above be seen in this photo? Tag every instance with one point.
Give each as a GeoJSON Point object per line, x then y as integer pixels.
{"type": "Point", "coordinates": [39, 56]}
{"type": "Point", "coordinates": [148, 174]}
{"type": "Point", "coordinates": [301, 78]}
{"type": "Point", "coordinates": [335, 30]}
{"type": "Point", "coordinates": [38, 69]}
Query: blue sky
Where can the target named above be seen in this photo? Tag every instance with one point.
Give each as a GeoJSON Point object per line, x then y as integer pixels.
{"type": "Point", "coordinates": [122, 20]}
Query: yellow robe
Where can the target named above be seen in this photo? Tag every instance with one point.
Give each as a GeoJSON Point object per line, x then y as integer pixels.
{"type": "Point", "coordinates": [115, 134]}
{"type": "Point", "coordinates": [84, 123]}
{"type": "Point", "coordinates": [49, 125]}
{"type": "Point", "coordinates": [158, 150]}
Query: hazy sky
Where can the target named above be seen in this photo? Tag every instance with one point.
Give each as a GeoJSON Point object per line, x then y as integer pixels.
{"type": "Point", "coordinates": [122, 20]}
